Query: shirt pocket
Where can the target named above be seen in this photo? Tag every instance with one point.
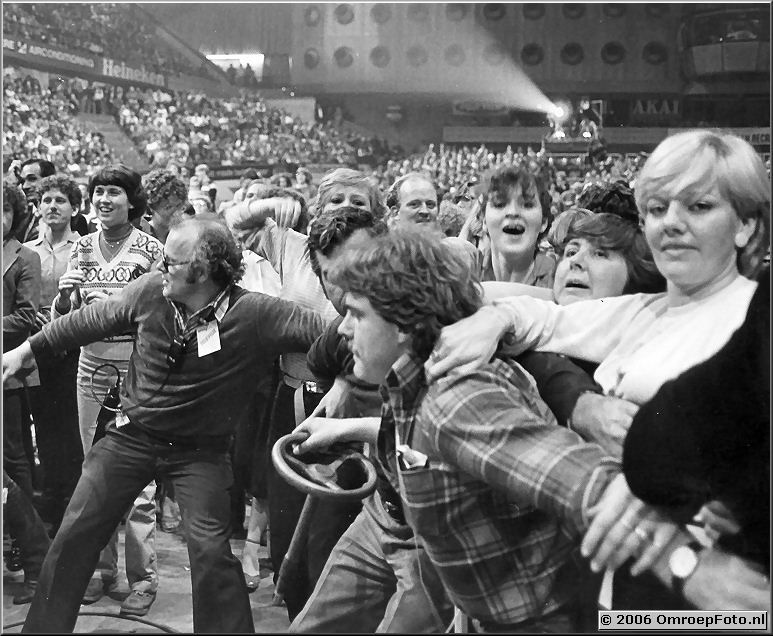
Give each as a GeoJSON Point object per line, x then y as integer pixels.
{"type": "Point", "coordinates": [435, 497]}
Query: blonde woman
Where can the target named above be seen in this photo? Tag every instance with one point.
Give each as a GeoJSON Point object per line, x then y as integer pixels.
{"type": "Point", "coordinates": [704, 198]}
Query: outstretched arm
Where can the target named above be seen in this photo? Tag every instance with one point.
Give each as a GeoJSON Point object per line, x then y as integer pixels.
{"type": "Point", "coordinates": [324, 431]}
{"type": "Point", "coordinates": [18, 362]}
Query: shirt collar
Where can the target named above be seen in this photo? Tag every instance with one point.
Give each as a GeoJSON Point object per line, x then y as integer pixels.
{"type": "Point", "coordinates": [405, 383]}
{"type": "Point", "coordinates": [213, 310]}
{"type": "Point", "coordinates": [71, 237]}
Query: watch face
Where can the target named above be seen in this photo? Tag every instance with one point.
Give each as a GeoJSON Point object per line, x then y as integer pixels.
{"type": "Point", "coordinates": [682, 562]}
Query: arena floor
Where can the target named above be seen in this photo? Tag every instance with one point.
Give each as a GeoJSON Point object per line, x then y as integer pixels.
{"type": "Point", "coordinates": [172, 610]}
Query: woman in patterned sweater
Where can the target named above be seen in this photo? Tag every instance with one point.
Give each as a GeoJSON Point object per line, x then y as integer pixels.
{"type": "Point", "coordinates": [101, 264]}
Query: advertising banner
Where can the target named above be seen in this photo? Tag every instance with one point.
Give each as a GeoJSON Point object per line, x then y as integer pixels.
{"type": "Point", "coordinates": [112, 68]}
{"type": "Point", "coordinates": [46, 53]}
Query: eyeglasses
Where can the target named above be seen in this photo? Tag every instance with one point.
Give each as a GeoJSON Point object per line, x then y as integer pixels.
{"type": "Point", "coordinates": [165, 263]}
{"type": "Point", "coordinates": [174, 355]}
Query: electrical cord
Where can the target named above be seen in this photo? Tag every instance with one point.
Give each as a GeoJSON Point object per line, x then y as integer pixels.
{"type": "Point", "coordinates": [164, 628]}
{"type": "Point", "coordinates": [104, 399]}
{"type": "Point", "coordinates": [118, 409]}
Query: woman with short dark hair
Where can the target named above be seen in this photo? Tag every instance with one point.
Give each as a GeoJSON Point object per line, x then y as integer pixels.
{"type": "Point", "coordinates": [507, 224]}
{"type": "Point", "coordinates": [102, 264]}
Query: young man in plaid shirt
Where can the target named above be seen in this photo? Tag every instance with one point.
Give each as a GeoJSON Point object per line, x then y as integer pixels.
{"type": "Point", "coordinates": [498, 494]}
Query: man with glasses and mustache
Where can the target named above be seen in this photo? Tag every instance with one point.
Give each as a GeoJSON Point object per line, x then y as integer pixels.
{"type": "Point", "coordinates": [202, 344]}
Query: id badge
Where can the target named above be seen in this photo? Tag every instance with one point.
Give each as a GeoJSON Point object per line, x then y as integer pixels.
{"type": "Point", "coordinates": [208, 338]}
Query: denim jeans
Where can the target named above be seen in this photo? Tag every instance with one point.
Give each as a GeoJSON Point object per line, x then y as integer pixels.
{"type": "Point", "coordinates": [115, 470]}
{"type": "Point", "coordinates": [141, 564]}
{"type": "Point", "coordinates": [25, 526]}
{"type": "Point", "coordinates": [377, 580]}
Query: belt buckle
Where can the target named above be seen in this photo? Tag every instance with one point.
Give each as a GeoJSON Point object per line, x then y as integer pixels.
{"type": "Point", "coordinates": [392, 510]}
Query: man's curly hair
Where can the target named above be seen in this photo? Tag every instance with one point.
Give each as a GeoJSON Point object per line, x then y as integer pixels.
{"type": "Point", "coordinates": [414, 281]}
{"type": "Point", "coordinates": [331, 228]}
{"type": "Point", "coordinates": [65, 184]}
{"type": "Point", "coordinates": [216, 250]}
{"type": "Point", "coordinates": [163, 184]}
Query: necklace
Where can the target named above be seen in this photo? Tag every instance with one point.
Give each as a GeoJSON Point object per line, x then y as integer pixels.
{"type": "Point", "coordinates": [116, 241]}
{"type": "Point", "coordinates": [110, 248]}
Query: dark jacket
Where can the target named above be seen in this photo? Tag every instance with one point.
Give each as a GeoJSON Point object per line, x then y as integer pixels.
{"type": "Point", "coordinates": [705, 435]}
{"type": "Point", "coordinates": [21, 292]}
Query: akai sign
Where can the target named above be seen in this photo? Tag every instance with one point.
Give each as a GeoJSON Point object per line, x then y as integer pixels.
{"type": "Point", "coordinates": [655, 110]}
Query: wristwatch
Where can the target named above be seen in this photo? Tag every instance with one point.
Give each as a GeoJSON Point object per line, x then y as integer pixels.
{"type": "Point", "coordinates": [682, 564]}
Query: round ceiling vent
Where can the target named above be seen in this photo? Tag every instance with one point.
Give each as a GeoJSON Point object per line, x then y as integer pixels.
{"type": "Point", "coordinates": [343, 56]}
{"type": "Point", "coordinates": [344, 13]}
{"type": "Point", "coordinates": [572, 54]}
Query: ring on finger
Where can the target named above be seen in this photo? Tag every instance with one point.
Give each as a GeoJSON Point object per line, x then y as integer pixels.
{"type": "Point", "coordinates": [642, 533]}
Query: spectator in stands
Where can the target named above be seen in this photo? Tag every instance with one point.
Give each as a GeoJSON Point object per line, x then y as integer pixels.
{"type": "Point", "coordinates": [202, 172]}
{"type": "Point", "coordinates": [282, 180]}
{"type": "Point", "coordinates": [304, 183]}
{"type": "Point", "coordinates": [130, 35]}
{"type": "Point", "coordinates": [53, 404]}
{"type": "Point", "coordinates": [247, 176]}
{"type": "Point", "coordinates": [41, 125]}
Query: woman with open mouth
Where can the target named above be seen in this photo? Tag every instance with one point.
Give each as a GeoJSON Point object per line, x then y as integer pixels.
{"type": "Point", "coordinates": [704, 200]}
{"type": "Point", "coordinates": [507, 224]}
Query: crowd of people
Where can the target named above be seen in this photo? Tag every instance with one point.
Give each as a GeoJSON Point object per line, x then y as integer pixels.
{"type": "Point", "coordinates": [118, 31]}
{"type": "Point", "coordinates": [185, 128]}
{"type": "Point", "coordinates": [41, 122]}
{"type": "Point", "coordinates": [552, 390]}
{"type": "Point", "coordinates": [232, 131]}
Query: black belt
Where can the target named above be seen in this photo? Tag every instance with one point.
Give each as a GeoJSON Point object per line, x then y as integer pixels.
{"type": "Point", "coordinates": [187, 443]}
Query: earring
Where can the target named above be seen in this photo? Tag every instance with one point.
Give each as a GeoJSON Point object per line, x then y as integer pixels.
{"type": "Point", "coordinates": [741, 240]}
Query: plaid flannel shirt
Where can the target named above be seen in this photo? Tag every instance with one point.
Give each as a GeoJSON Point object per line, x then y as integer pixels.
{"type": "Point", "coordinates": [500, 504]}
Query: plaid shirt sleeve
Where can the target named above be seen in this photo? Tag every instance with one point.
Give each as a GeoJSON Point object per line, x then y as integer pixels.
{"type": "Point", "coordinates": [495, 427]}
